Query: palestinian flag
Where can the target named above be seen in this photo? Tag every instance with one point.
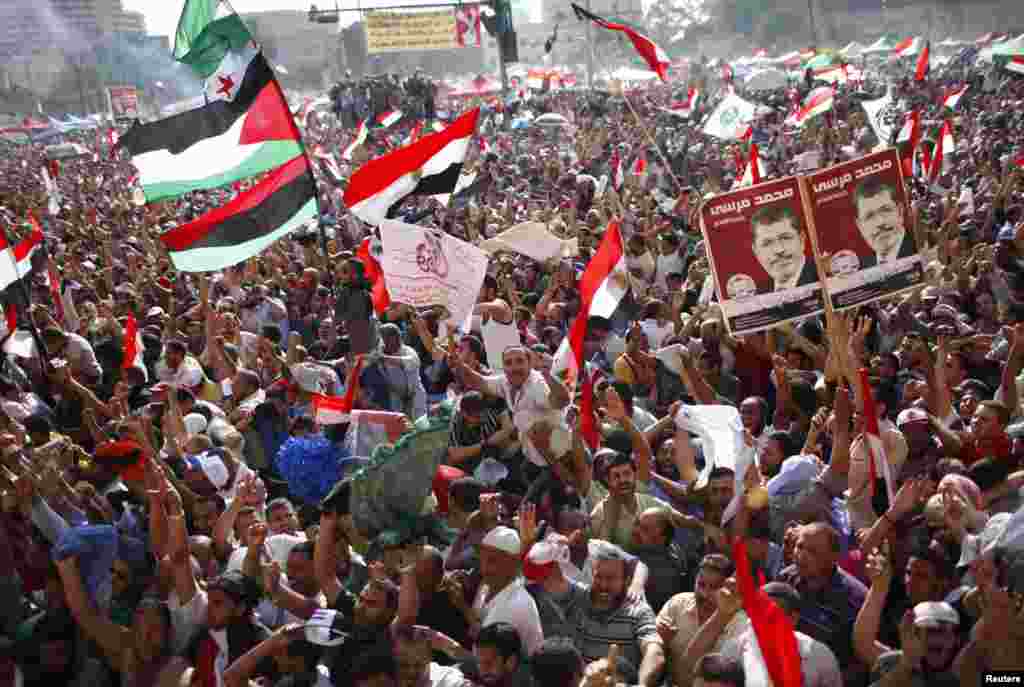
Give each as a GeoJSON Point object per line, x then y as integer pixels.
{"type": "Point", "coordinates": [218, 143]}
{"type": "Point", "coordinates": [1016, 64]}
{"type": "Point", "coordinates": [430, 166]}
{"type": "Point", "coordinates": [359, 140]}
{"type": "Point", "coordinates": [389, 118]}
{"type": "Point", "coordinates": [654, 56]}
{"type": "Point", "coordinates": [253, 220]}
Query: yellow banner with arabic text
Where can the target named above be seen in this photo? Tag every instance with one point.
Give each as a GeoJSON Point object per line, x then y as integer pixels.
{"type": "Point", "coordinates": [397, 31]}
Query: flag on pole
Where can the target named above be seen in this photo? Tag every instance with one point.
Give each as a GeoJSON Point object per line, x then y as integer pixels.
{"type": "Point", "coordinates": [908, 47]}
{"type": "Point", "coordinates": [253, 220]}
{"type": "Point", "coordinates": [910, 135]}
{"type": "Point", "coordinates": [430, 166]}
{"type": "Point", "coordinates": [817, 102]}
{"type": "Point", "coordinates": [360, 139]}
{"type": "Point", "coordinates": [655, 57]}
{"type": "Point", "coordinates": [755, 171]}
{"type": "Point", "coordinates": [774, 631]}
{"type": "Point", "coordinates": [731, 119]}
{"type": "Point", "coordinates": [944, 147]}
{"type": "Point", "coordinates": [334, 410]}
{"type": "Point", "coordinates": [389, 118]}
{"type": "Point", "coordinates": [1015, 64]}
{"type": "Point", "coordinates": [219, 143]}
{"type": "Point", "coordinates": [873, 441]}
{"type": "Point", "coordinates": [923, 62]}
{"type": "Point", "coordinates": [952, 97]}
{"type": "Point", "coordinates": [602, 287]}
{"type": "Point", "coordinates": [588, 418]}
{"type": "Point", "coordinates": [132, 346]}
{"type": "Point", "coordinates": [374, 274]}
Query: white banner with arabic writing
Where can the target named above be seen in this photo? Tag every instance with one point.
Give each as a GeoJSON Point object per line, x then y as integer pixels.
{"type": "Point", "coordinates": [424, 267]}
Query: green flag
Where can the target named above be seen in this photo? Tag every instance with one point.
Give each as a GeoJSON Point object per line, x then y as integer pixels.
{"type": "Point", "coordinates": [203, 39]}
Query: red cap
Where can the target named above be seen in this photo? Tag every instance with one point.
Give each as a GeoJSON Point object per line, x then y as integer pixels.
{"type": "Point", "coordinates": [443, 478]}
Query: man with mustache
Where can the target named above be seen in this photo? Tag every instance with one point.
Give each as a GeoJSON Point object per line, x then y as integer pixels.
{"type": "Point", "coordinates": [779, 247]}
{"type": "Point", "coordinates": [880, 220]}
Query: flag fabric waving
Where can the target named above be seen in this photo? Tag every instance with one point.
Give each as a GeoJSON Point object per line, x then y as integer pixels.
{"type": "Point", "coordinates": [754, 172]}
{"type": "Point", "coordinates": [817, 102]}
{"type": "Point", "coordinates": [253, 220]}
{"type": "Point", "coordinates": [588, 419]}
{"type": "Point", "coordinates": [1015, 64]}
{"type": "Point", "coordinates": [774, 631]}
{"type": "Point", "coordinates": [207, 34]}
{"type": "Point", "coordinates": [430, 166]}
{"type": "Point", "coordinates": [389, 118]}
{"type": "Point", "coordinates": [944, 148]}
{"type": "Point", "coordinates": [731, 119]}
{"type": "Point", "coordinates": [655, 57]}
{"type": "Point", "coordinates": [359, 140]}
{"type": "Point", "coordinates": [133, 347]}
{"type": "Point", "coordinates": [952, 97]}
{"type": "Point", "coordinates": [615, 169]}
{"type": "Point", "coordinates": [218, 143]}
{"type": "Point", "coordinates": [602, 287]}
{"type": "Point", "coordinates": [910, 134]}
{"type": "Point", "coordinates": [873, 441]}
{"type": "Point", "coordinates": [908, 47]}
{"type": "Point", "coordinates": [374, 274]}
{"type": "Point", "coordinates": [923, 62]}
{"type": "Point", "coordinates": [334, 410]}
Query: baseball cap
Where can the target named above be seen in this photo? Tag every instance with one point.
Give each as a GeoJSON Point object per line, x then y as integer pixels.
{"type": "Point", "coordinates": [504, 539]}
{"type": "Point", "coordinates": [544, 557]}
{"type": "Point", "coordinates": [935, 614]}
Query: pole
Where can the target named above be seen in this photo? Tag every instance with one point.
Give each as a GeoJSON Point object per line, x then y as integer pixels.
{"type": "Point", "coordinates": [590, 52]}
{"type": "Point", "coordinates": [814, 29]}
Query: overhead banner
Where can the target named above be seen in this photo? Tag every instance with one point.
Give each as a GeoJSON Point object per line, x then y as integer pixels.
{"type": "Point", "coordinates": [423, 267]}
{"type": "Point", "coordinates": [864, 227]}
{"type": "Point", "coordinates": [760, 253]}
{"type": "Point", "coordinates": [124, 102]}
{"type": "Point", "coordinates": [443, 29]}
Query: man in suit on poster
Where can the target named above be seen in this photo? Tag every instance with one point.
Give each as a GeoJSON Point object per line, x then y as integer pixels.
{"type": "Point", "coordinates": [778, 246]}
{"type": "Point", "coordinates": [880, 219]}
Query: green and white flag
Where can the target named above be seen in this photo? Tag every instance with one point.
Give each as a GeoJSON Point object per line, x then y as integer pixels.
{"type": "Point", "coordinates": [212, 39]}
{"type": "Point", "coordinates": [731, 118]}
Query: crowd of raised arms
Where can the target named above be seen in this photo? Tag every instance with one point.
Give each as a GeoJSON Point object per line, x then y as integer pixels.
{"type": "Point", "coordinates": [153, 532]}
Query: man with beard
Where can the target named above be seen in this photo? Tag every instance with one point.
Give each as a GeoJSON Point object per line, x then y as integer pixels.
{"type": "Point", "coordinates": [497, 658]}
{"type": "Point", "coordinates": [614, 518]}
{"type": "Point", "coordinates": [369, 619]}
{"type": "Point", "coordinates": [778, 245]}
{"type": "Point", "coordinates": [880, 220]}
{"type": "Point", "coordinates": [929, 643]}
{"type": "Point", "coordinates": [604, 615]}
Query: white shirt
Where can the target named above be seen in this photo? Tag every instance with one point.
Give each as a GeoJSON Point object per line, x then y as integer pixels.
{"type": "Point", "coordinates": [189, 374]}
{"type": "Point", "coordinates": [817, 662]}
{"type": "Point", "coordinates": [515, 606]}
{"type": "Point", "coordinates": [529, 405]}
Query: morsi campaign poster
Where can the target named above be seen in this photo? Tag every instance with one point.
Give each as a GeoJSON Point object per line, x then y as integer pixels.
{"type": "Point", "coordinates": [864, 229]}
{"type": "Point", "coordinates": [761, 256]}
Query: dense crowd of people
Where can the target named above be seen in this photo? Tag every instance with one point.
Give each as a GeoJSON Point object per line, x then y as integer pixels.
{"type": "Point", "coordinates": [149, 533]}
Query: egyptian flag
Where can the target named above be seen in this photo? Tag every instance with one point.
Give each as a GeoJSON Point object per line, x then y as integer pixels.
{"type": "Point", "coordinates": [602, 287]}
{"type": "Point", "coordinates": [873, 443]}
{"type": "Point", "coordinates": [755, 171]}
{"type": "Point", "coordinates": [908, 47]}
{"type": "Point", "coordinates": [15, 270]}
{"type": "Point", "coordinates": [654, 56]}
{"type": "Point", "coordinates": [360, 139]}
{"type": "Point", "coordinates": [328, 165]}
{"type": "Point", "coordinates": [777, 652]}
{"type": "Point", "coordinates": [588, 417]}
{"type": "Point", "coordinates": [389, 118]}
{"type": "Point", "coordinates": [924, 64]}
{"type": "Point", "coordinates": [430, 166]}
{"type": "Point", "coordinates": [224, 141]}
{"type": "Point", "coordinates": [640, 166]}
{"type": "Point", "coordinates": [249, 223]}
{"type": "Point", "coordinates": [910, 134]}
{"type": "Point", "coordinates": [133, 347]}
{"type": "Point", "coordinates": [687, 107]}
{"type": "Point", "coordinates": [952, 97]}
{"type": "Point", "coordinates": [945, 147]}
{"type": "Point", "coordinates": [375, 275]}
{"type": "Point", "coordinates": [335, 410]}
{"type": "Point", "coordinates": [615, 167]}
{"type": "Point", "coordinates": [817, 102]}
{"type": "Point", "coordinates": [1016, 64]}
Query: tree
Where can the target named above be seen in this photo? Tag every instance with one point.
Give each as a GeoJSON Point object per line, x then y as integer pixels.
{"type": "Point", "coordinates": [666, 19]}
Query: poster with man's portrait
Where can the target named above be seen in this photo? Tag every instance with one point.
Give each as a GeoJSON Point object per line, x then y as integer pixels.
{"type": "Point", "coordinates": [760, 253]}
{"type": "Point", "coordinates": [865, 229]}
